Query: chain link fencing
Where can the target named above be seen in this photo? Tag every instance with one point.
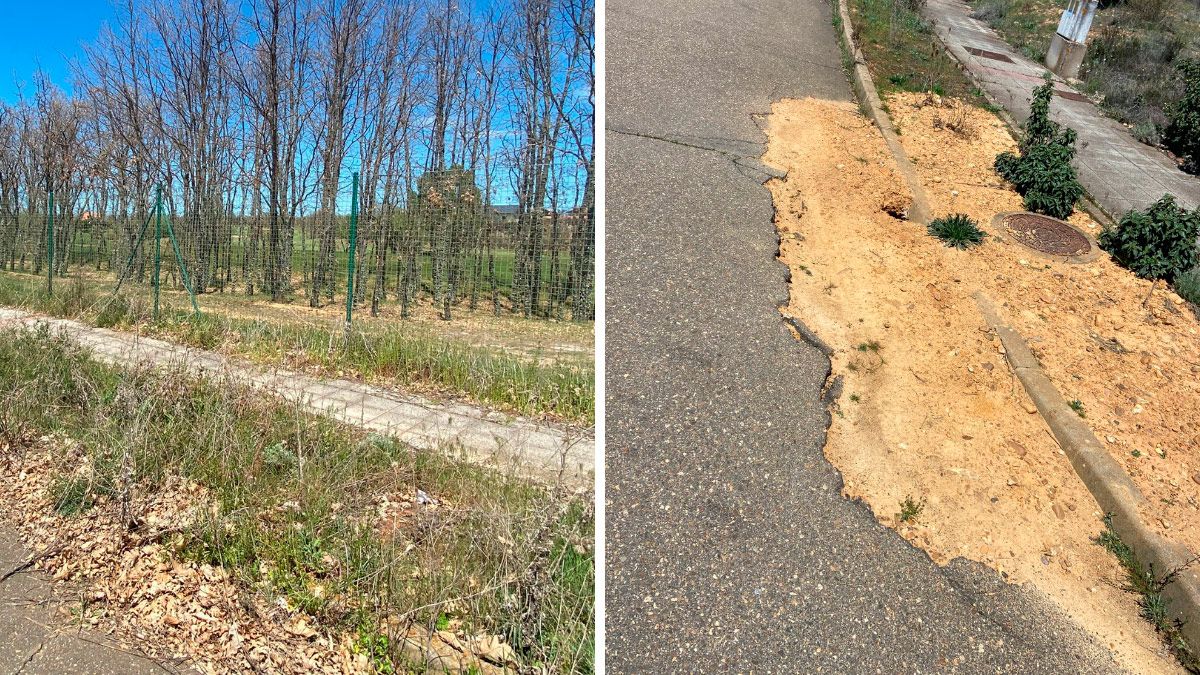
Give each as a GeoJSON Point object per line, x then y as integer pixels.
{"type": "Point", "coordinates": [434, 244]}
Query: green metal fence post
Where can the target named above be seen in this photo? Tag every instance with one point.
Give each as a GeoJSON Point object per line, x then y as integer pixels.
{"type": "Point", "coordinates": [353, 251]}
{"type": "Point", "coordinates": [157, 245]}
{"type": "Point", "coordinates": [50, 247]}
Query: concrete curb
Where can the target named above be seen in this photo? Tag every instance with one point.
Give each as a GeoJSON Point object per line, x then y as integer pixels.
{"type": "Point", "coordinates": [1114, 491]}
{"type": "Point", "coordinates": [864, 87]}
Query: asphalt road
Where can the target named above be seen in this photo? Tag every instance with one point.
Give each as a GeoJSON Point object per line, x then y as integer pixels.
{"type": "Point", "coordinates": [730, 547]}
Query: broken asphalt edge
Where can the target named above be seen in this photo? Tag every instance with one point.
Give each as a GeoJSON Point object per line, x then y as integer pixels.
{"type": "Point", "coordinates": [868, 96]}
{"type": "Point", "coordinates": [1112, 488]}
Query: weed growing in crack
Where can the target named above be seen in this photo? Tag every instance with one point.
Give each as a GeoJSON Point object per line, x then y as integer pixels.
{"type": "Point", "coordinates": [1152, 605]}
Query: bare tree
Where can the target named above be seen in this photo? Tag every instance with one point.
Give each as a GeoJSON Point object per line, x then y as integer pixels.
{"type": "Point", "coordinates": [250, 113]}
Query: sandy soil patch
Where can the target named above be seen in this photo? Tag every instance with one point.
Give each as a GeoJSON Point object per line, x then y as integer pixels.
{"type": "Point", "coordinates": [930, 410]}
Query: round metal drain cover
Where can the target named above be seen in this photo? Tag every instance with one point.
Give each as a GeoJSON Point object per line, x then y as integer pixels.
{"type": "Point", "coordinates": [1046, 234]}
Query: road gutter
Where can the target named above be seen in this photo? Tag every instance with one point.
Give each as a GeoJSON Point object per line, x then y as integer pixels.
{"type": "Point", "coordinates": [1112, 488]}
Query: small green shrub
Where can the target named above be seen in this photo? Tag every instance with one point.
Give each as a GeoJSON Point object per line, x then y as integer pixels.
{"type": "Point", "coordinates": [1147, 132]}
{"type": "Point", "coordinates": [1158, 243]}
{"type": "Point", "coordinates": [957, 230]}
{"type": "Point", "coordinates": [1182, 135]}
{"type": "Point", "coordinates": [1042, 173]}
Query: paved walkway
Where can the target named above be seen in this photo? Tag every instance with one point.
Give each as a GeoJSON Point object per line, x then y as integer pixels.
{"type": "Point", "coordinates": [1118, 172]}
{"type": "Point", "coordinates": [485, 437]}
{"type": "Point", "coordinates": [34, 639]}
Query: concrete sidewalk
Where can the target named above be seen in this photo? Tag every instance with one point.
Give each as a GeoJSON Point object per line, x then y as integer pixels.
{"type": "Point", "coordinates": [34, 639]}
{"type": "Point", "coordinates": [1118, 172]}
{"type": "Point", "coordinates": [542, 451]}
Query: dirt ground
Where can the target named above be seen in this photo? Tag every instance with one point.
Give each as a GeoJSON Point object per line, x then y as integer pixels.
{"type": "Point", "coordinates": [930, 410]}
{"type": "Point", "coordinates": [545, 340]}
{"type": "Point", "coordinates": [127, 583]}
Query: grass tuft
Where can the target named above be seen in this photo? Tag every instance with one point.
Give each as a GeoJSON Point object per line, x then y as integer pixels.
{"type": "Point", "coordinates": [910, 510]}
{"type": "Point", "coordinates": [1077, 406]}
{"type": "Point", "coordinates": [958, 231]}
{"type": "Point", "coordinates": [1152, 605]}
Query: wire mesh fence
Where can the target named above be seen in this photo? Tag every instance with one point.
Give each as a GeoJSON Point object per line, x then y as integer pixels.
{"type": "Point", "coordinates": [437, 242]}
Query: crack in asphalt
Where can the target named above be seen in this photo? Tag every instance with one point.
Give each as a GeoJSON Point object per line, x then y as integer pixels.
{"type": "Point", "coordinates": [744, 154]}
{"type": "Point", "coordinates": [29, 659]}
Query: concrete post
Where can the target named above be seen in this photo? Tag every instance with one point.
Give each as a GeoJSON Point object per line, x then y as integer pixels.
{"type": "Point", "coordinates": [1069, 43]}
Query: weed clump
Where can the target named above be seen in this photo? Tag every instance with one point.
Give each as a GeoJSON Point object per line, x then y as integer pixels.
{"type": "Point", "coordinates": [1158, 243]}
{"type": "Point", "coordinates": [910, 510]}
{"type": "Point", "coordinates": [1042, 173]}
{"type": "Point", "coordinates": [1148, 586]}
{"type": "Point", "coordinates": [1077, 406]}
{"type": "Point", "coordinates": [1182, 135]}
{"type": "Point", "coordinates": [958, 230]}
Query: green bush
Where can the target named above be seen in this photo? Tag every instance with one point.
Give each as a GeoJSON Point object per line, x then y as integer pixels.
{"type": "Point", "coordinates": [1158, 243]}
{"type": "Point", "coordinates": [1042, 173]}
{"type": "Point", "coordinates": [958, 230]}
{"type": "Point", "coordinates": [1182, 135]}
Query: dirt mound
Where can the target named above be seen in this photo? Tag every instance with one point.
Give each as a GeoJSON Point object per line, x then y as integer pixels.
{"type": "Point", "coordinates": [930, 412]}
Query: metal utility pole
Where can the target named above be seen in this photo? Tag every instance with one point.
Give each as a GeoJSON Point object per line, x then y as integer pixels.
{"type": "Point", "coordinates": [1069, 43]}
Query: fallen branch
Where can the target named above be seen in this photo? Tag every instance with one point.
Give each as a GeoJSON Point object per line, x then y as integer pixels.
{"type": "Point", "coordinates": [33, 560]}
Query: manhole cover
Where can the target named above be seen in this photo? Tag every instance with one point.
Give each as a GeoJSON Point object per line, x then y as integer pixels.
{"type": "Point", "coordinates": [1046, 234]}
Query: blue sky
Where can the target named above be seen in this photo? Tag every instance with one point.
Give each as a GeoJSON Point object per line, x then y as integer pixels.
{"type": "Point", "coordinates": [49, 33]}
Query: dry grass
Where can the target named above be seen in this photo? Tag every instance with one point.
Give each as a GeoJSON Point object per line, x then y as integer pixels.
{"type": "Point", "coordinates": [397, 354]}
{"type": "Point", "coordinates": [364, 536]}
